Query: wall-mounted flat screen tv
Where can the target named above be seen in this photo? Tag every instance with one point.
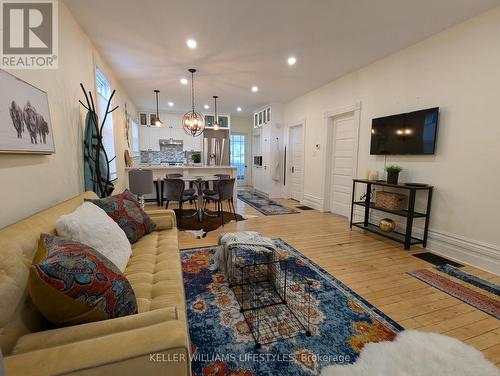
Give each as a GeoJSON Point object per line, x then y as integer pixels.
{"type": "Point", "coordinates": [409, 133]}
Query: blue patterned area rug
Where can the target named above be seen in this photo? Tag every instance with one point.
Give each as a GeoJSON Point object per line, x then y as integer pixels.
{"type": "Point", "coordinates": [341, 322]}
{"type": "Point", "coordinates": [263, 204]}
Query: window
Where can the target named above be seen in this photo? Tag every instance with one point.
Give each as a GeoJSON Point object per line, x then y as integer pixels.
{"type": "Point", "coordinates": [135, 139]}
{"type": "Point", "coordinates": [108, 139]}
{"type": "Point", "coordinates": [238, 154]}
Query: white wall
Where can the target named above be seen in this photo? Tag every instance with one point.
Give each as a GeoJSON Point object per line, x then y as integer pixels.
{"type": "Point", "coordinates": [457, 70]}
{"type": "Point", "coordinates": [30, 183]}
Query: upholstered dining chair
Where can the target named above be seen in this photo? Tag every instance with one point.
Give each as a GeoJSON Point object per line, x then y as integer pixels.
{"type": "Point", "coordinates": [214, 190]}
{"type": "Point", "coordinates": [224, 192]}
{"type": "Point", "coordinates": [175, 191]}
{"type": "Point", "coordinates": [190, 191]}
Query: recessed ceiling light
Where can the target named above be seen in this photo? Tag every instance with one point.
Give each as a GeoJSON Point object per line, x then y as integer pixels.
{"type": "Point", "coordinates": [255, 89]}
{"type": "Point", "coordinates": [184, 81]}
{"type": "Point", "coordinates": [191, 43]}
{"type": "Point", "coordinates": [171, 104]}
{"type": "Point", "coordinates": [239, 109]}
{"type": "Point", "coordinates": [206, 106]}
{"type": "Point", "coordinates": [292, 60]}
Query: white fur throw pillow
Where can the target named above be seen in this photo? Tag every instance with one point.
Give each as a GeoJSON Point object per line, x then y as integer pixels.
{"type": "Point", "coordinates": [90, 225]}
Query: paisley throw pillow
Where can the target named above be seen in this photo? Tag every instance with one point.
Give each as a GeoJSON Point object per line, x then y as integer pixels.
{"type": "Point", "coordinates": [71, 283]}
{"type": "Point", "coordinates": [126, 211]}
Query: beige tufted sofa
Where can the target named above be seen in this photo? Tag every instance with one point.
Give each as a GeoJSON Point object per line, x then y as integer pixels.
{"type": "Point", "coordinates": [155, 341]}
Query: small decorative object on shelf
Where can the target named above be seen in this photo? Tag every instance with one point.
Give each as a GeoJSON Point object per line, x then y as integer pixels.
{"type": "Point", "coordinates": [373, 175]}
{"type": "Point", "coordinates": [387, 225]}
{"type": "Point", "coordinates": [393, 173]}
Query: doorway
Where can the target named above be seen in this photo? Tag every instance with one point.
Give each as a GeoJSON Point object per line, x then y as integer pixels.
{"type": "Point", "coordinates": [341, 162]}
{"type": "Point", "coordinates": [296, 162]}
{"type": "Point", "coordinates": [239, 157]}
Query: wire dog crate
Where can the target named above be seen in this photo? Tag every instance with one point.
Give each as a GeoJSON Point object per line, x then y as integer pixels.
{"type": "Point", "coordinates": [275, 302]}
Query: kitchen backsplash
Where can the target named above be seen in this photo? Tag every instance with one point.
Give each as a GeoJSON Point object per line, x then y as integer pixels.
{"type": "Point", "coordinates": [174, 153]}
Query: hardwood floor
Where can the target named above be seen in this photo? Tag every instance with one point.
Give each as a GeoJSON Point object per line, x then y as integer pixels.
{"type": "Point", "coordinates": [375, 268]}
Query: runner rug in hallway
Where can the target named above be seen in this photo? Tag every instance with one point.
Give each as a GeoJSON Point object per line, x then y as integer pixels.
{"type": "Point", "coordinates": [263, 204]}
{"type": "Point", "coordinates": [341, 322]}
{"type": "Point", "coordinates": [485, 302]}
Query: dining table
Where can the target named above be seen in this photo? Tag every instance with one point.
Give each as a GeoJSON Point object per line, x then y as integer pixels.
{"type": "Point", "coordinates": [200, 182]}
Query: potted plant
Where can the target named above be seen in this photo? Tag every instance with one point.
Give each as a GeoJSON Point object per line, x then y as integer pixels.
{"type": "Point", "coordinates": [393, 173]}
{"type": "Point", "coordinates": [196, 158]}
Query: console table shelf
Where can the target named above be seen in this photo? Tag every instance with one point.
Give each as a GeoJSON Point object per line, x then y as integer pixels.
{"type": "Point", "coordinates": [410, 214]}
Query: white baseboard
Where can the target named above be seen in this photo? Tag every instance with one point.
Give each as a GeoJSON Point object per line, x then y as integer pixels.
{"type": "Point", "coordinates": [312, 202]}
{"type": "Point", "coordinates": [455, 247]}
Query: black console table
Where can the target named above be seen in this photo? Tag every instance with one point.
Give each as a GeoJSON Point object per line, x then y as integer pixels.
{"type": "Point", "coordinates": [406, 238]}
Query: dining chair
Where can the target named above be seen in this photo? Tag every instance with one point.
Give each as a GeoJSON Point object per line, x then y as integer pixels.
{"type": "Point", "coordinates": [175, 191]}
{"type": "Point", "coordinates": [190, 191]}
{"type": "Point", "coordinates": [224, 192]}
{"type": "Point", "coordinates": [214, 189]}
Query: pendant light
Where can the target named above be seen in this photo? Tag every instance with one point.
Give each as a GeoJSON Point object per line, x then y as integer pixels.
{"type": "Point", "coordinates": [158, 122]}
{"type": "Point", "coordinates": [215, 123]}
{"type": "Point", "coordinates": [193, 122]}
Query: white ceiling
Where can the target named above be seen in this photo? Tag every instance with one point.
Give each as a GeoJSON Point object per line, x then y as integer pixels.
{"type": "Point", "coordinates": [247, 42]}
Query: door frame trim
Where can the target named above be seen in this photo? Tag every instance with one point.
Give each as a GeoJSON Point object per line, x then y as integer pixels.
{"type": "Point", "coordinates": [248, 156]}
{"type": "Point", "coordinates": [329, 117]}
{"type": "Point", "coordinates": [289, 126]}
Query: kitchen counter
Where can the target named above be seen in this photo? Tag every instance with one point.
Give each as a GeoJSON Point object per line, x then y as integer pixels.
{"type": "Point", "coordinates": [184, 167]}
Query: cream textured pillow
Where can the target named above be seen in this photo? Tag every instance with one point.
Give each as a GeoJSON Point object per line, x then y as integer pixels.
{"type": "Point", "coordinates": [90, 225]}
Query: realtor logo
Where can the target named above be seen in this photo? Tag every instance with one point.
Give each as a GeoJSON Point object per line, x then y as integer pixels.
{"type": "Point", "coordinates": [29, 34]}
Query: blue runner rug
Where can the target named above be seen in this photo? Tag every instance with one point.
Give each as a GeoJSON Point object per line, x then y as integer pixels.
{"type": "Point", "coordinates": [341, 322]}
{"type": "Point", "coordinates": [263, 204]}
{"type": "Point", "coordinates": [469, 278]}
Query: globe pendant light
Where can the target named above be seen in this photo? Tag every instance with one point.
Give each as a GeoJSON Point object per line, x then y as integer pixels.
{"type": "Point", "coordinates": [158, 122]}
{"type": "Point", "coordinates": [215, 123]}
{"type": "Point", "coordinates": [193, 122]}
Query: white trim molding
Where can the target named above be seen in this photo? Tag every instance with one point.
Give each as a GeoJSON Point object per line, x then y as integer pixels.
{"type": "Point", "coordinates": [312, 201]}
{"type": "Point", "coordinates": [455, 247]}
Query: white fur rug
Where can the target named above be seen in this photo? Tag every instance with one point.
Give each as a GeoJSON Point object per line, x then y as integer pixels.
{"type": "Point", "coordinates": [415, 353]}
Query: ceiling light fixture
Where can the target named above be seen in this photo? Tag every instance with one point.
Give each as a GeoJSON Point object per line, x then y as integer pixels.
{"type": "Point", "coordinates": [193, 122]}
{"type": "Point", "coordinates": [239, 109]}
{"type": "Point", "coordinates": [255, 89]}
{"type": "Point", "coordinates": [292, 60]}
{"type": "Point", "coordinates": [206, 107]}
{"type": "Point", "coordinates": [215, 123]}
{"type": "Point", "coordinates": [170, 104]}
{"type": "Point", "coordinates": [184, 81]}
{"type": "Point", "coordinates": [191, 43]}
{"type": "Point", "coordinates": [158, 122]}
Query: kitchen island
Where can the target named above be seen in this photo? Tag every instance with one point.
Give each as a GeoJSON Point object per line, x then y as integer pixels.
{"type": "Point", "coordinates": [160, 171]}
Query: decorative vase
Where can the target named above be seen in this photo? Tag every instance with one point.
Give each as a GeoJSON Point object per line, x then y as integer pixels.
{"type": "Point", "coordinates": [387, 225]}
{"type": "Point", "coordinates": [392, 177]}
{"type": "Point", "coordinates": [373, 175]}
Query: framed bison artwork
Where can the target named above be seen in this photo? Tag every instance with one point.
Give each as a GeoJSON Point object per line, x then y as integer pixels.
{"type": "Point", "coordinates": [24, 118]}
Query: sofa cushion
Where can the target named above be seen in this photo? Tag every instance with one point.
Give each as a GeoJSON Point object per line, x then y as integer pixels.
{"type": "Point", "coordinates": [71, 283]}
{"type": "Point", "coordinates": [126, 211]}
{"type": "Point", "coordinates": [90, 225]}
{"type": "Point", "coordinates": [154, 271]}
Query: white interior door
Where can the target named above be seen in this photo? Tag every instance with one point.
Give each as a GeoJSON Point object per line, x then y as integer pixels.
{"type": "Point", "coordinates": [239, 157]}
{"type": "Point", "coordinates": [342, 164]}
{"type": "Point", "coordinates": [296, 169]}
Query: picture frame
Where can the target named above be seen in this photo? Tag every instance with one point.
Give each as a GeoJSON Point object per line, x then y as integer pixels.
{"type": "Point", "coordinates": [25, 125]}
{"type": "Point", "coordinates": [143, 118]}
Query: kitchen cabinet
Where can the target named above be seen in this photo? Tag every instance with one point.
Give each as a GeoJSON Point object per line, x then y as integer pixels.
{"type": "Point", "coordinates": [262, 117]}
